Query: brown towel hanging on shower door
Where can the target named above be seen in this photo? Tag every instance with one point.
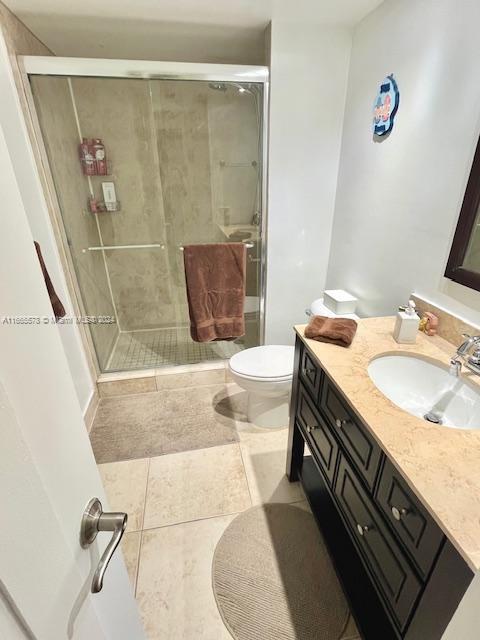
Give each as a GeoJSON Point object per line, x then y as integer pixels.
{"type": "Point", "coordinates": [57, 306]}
{"type": "Point", "coordinates": [215, 276]}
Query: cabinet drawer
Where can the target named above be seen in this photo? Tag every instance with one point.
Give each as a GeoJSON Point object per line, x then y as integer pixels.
{"type": "Point", "coordinates": [323, 445]}
{"type": "Point", "coordinates": [359, 444]}
{"type": "Point", "coordinates": [310, 374]}
{"type": "Point", "coordinates": [414, 526]}
{"type": "Point", "coordinates": [390, 570]}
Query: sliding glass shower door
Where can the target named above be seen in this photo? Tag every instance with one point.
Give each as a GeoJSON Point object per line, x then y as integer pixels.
{"type": "Point", "coordinates": [142, 168]}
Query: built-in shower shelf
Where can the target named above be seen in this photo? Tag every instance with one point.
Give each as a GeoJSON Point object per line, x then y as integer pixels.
{"type": "Point", "coordinates": [230, 229]}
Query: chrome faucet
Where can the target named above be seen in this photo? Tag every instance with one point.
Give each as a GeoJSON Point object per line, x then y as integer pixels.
{"type": "Point", "coordinates": [462, 356]}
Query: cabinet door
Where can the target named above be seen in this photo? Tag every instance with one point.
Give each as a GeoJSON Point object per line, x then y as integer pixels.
{"type": "Point", "coordinates": [414, 526]}
{"type": "Point", "coordinates": [357, 441]}
{"type": "Point", "coordinates": [317, 433]}
{"type": "Point", "coordinates": [310, 373]}
{"type": "Point", "coordinates": [389, 568]}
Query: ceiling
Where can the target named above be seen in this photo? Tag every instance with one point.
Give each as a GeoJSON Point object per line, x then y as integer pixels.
{"type": "Point", "coordinates": [197, 30]}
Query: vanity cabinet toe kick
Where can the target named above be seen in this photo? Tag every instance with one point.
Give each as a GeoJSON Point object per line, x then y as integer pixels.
{"type": "Point", "coordinates": [401, 574]}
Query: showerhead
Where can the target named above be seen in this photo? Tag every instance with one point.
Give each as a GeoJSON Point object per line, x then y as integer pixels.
{"type": "Point", "coordinates": [218, 86]}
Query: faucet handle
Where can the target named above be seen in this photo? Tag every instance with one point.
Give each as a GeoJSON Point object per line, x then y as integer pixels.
{"type": "Point", "coordinates": [469, 338]}
{"type": "Point", "coordinates": [465, 347]}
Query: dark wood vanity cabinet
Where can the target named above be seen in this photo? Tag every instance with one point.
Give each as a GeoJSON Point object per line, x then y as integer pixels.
{"type": "Point", "coordinates": [403, 577]}
{"type": "Point", "coordinates": [420, 536]}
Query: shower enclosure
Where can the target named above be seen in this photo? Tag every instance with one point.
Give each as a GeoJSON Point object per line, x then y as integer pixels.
{"type": "Point", "coordinates": [146, 158]}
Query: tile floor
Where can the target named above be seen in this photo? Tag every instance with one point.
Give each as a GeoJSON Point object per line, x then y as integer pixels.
{"type": "Point", "coordinates": [165, 421]}
{"type": "Point", "coordinates": [154, 348]}
{"type": "Point", "coordinates": [179, 506]}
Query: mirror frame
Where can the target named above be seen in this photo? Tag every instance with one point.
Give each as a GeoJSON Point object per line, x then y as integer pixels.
{"type": "Point", "coordinates": [468, 214]}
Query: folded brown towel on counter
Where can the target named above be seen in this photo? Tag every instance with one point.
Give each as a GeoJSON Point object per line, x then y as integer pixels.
{"type": "Point", "coordinates": [57, 306]}
{"type": "Point", "coordinates": [215, 276]}
{"type": "Point", "coordinates": [339, 331]}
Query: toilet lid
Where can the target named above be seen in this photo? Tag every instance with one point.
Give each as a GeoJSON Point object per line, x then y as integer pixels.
{"type": "Point", "coordinates": [268, 361]}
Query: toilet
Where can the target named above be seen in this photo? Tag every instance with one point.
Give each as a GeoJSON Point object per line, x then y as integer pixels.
{"type": "Point", "coordinates": [266, 374]}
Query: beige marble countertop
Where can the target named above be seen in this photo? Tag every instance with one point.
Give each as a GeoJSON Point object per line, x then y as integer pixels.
{"type": "Point", "coordinates": [441, 465]}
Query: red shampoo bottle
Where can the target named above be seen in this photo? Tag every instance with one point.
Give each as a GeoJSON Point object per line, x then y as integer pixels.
{"type": "Point", "coordinates": [100, 157]}
{"type": "Point", "coordinates": [87, 158]}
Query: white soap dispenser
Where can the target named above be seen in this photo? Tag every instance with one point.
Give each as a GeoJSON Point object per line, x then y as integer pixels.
{"type": "Point", "coordinates": [406, 324]}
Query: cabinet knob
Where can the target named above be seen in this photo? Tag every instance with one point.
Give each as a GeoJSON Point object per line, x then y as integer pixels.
{"type": "Point", "coordinates": [310, 429]}
{"type": "Point", "coordinates": [399, 513]}
{"type": "Point", "coordinates": [307, 370]}
{"type": "Point", "coordinates": [362, 529]}
{"type": "Point", "coordinates": [341, 423]}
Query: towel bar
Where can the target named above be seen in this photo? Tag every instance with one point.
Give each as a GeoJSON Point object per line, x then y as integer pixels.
{"type": "Point", "coordinates": [125, 246]}
{"type": "Point", "coordinates": [249, 245]}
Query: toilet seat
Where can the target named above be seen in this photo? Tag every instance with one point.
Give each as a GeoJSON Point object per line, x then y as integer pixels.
{"type": "Point", "coordinates": [258, 379]}
{"type": "Point", "coordinates": [266, 363]}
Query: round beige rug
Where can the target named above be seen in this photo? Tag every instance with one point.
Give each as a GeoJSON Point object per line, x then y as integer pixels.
{"type": "Point", "coordinates": [273, 578]}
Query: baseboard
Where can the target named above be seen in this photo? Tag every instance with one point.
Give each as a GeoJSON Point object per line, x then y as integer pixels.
{"type": "Point", "coordinates": [91, 409]}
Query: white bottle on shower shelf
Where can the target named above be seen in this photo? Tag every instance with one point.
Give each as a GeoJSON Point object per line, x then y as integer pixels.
{"type": "Point", "coordinates": [406, 324]}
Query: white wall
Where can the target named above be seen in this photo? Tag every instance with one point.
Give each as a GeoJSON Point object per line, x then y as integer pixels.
{"type": "Point", "coordinates": [309, 68]}
{"type": "Point", "coordinates": [398, 202]}
{"type": "Point", "coordinates": [28, 180]}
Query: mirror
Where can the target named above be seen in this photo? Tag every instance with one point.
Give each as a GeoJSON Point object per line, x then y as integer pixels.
{"type": "Point", "coordinates": [463, 264]}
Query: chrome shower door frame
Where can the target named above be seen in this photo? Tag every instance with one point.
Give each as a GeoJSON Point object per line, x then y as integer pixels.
{"type": "Point", "coordinates": [149, 70]}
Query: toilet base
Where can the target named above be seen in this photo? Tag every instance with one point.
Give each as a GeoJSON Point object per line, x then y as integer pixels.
{"type": "Point", "coordinates": [267, 412]}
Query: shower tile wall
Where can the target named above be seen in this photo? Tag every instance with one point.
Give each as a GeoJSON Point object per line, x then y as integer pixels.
{"type": "Point", "coordinates": [54, 108]}
{"type": "Point", "coordinates": [234, 156]}
{"type": "Point", "coordinates": [184, 160]}
{"type": "Point", "coordinates": [119, 111]}
{"type": "Point", "coordinates": [181, 119]}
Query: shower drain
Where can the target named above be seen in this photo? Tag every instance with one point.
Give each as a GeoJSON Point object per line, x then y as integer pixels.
{"type": "Point", "coordinates": [432, 417]}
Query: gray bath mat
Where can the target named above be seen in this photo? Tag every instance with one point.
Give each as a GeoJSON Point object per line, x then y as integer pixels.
{"type": "Point", "coordinates": [146, 425]}
{"type": "Point", "coordinates": [273, 578]}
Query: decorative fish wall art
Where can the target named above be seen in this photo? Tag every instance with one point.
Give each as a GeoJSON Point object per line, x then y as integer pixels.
{"type": "Point", "coordinates": [385, 106]}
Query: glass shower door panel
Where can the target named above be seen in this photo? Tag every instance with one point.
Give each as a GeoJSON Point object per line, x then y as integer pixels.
{"type": "Point", "coordinates": [56, 114]}
{"type": "Point", "coordinates": [180, 163]}
{"type": "Point", "coordinates": [209, 149]}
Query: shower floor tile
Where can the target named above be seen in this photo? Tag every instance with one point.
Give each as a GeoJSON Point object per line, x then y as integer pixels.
{"type": "Point", "coordinates": [159, 347]}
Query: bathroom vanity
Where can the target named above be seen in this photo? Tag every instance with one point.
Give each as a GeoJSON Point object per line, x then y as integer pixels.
{"type": "Point", "coordinates": [396, 498]}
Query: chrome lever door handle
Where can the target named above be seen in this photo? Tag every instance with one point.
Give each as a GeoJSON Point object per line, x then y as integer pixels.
{"type": "Point", "coordinates": [94, 519]}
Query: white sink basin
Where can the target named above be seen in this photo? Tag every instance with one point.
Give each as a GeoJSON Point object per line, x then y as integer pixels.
{"type": "Point", "coordinates": [427, 390]}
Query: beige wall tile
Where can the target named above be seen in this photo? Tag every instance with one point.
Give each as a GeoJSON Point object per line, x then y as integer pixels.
{"type": "Point", "coordinates": [449, 326]}
{"type": "Point", "coordinates": [191, 379]}
{"type": "Point", "coordinates": [120, 112]}
{"type": "Point", "coordinates": [126, 386]}
{"type": "Point", "coordinates": [195, 484]}
{"type": "Point", "coordinates": [20, 41]}
{"type": "Point", "coordinates": [264, 455]}
{"type": "Point", "coordinates": [125, 484]}
{"type": "Point", "coordinates": [131, 553]}
{"type": "Point", "coordinates": [174, 587]}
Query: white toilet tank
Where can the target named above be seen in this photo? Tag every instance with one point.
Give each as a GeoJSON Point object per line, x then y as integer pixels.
{"type": "Point", "coordinates": [319, 308]}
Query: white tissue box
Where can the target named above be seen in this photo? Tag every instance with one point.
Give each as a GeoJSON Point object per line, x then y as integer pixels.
{"type": "Point", "coordinates": [339, 301]}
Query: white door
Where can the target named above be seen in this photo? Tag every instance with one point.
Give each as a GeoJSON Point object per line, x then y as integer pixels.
{"type": "Point", "coordinates": [47, 469]}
